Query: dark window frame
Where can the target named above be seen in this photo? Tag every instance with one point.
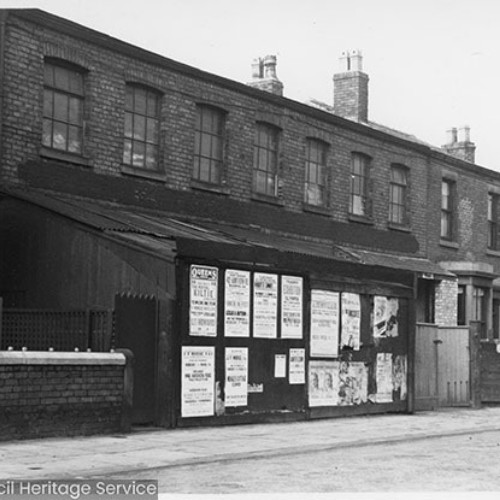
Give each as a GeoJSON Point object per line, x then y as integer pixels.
{"type": "Point", "coordinates": [359, 192]}
{"type": "Point", "coordinates": [448, 200]}
{"type": "Point", "coordinates": [493, 207]}
{"type": "Point", "coordinates": [316, 175]}
{"type": "Point", "coordinates": [398, 195]}
{"type": "Point", "coordinates": [63, 107]}
{"type": "Point", "coordinates": [266, 159]}
{"type": "Point", "coordinates": [141, 134]}
{"type": "Point", "coordinates": [209, 147]}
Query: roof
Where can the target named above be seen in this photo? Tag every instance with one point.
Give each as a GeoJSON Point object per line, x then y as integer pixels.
{"type": "Point", "coordinates": [160, 233]}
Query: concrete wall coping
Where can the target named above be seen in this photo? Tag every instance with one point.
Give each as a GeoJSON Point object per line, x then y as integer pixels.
{"type": "Point", "coordinates": [61, 358]}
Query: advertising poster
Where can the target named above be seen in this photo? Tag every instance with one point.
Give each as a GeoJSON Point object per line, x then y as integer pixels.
{"type": "Point", "coordinates": [353, 383]}
{"type": "Point", "coordinates": [198, 381]}
{"type": "Point", "coordinates": [237, 303]}
{"type": "Point", "coordinates": [236, 384]}
{"type": "Point", "coordinates": [280, 366]}
{"type": "Point", "coordinates": [385, 317]}
{"type": "Point", "coordinates": [351, 321]}
{"type": "Point", "coordinates": [324, 324]}
{"type": "Point", "coordinates": [399, 376]}
{"type": "Point", "coordinates": [203, 301]}
{"type": "Point", "coordinates": [297, 369]}
{"type": "Point", "coordinates": [324, 383]}
{"type": "Point", "coordinates": [265, 305]}
{"type": "Point", "coordinates": [291, 307]}
{"type": "Point", "coordinates": [384, 379]}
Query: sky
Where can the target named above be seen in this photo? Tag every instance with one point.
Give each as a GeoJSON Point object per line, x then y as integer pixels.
{"type": "Point", "coordinates": [433, 64]}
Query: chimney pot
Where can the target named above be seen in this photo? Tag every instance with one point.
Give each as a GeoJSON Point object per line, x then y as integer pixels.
{"type": "Point", "coordinates": [264, 75]}
{"type": "Point", "coordinates": [452, 135]}
{"type": "Point", "coordinates": [464, 134]}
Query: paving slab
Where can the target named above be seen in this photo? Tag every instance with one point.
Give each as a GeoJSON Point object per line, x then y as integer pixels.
{"type": "Point", "coordinates": [84, 457]}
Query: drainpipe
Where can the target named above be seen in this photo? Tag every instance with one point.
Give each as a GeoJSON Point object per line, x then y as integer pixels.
{"type": "Point", "coordinates": [3, 23]}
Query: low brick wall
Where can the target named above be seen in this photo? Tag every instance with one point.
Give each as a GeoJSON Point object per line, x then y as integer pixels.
{"type": "Point", "coordinates": [62, 394]}
{"type": "Point", "coordinates": [490, 373]}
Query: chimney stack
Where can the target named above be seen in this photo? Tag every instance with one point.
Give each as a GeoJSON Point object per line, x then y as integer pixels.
{"type": "Point", "coordinates": [264, 75]}
{"type": "Point", "coordinates": [459, 144]}
{"type": "Point", "coordinates": [350, 87]}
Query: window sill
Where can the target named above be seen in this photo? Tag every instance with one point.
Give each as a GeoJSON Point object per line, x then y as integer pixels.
{"type": "Point", "coordinates": [146, 174]}
{"type": "Point", "coordinates": [493, 253]}
{"type": "Point", "coordinates": [361, 219]}
{"type": "Point", "coordinates": [399, 227]}
{"type": "Point", "coordinates": [206, 186]}
{"type": "Point", "coordinates": [449, 244]}
{"type": "Point", "coordinates": [264, 198]}
{"type": "Point", "coordinates": [54, 154]}
{"type": "Point", "coordinates": [316, 209]}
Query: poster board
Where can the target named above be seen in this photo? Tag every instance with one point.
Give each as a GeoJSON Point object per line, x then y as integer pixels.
{"type": "Point", "coordinates": [236, 303]}
{"type": "Point", "coordinates": [324, 324]}
{"type": "Point", "coordinates": [197, 381]}
{"type": "Point", "coordinates": [291, 307]}
{"type": "Point", "coordinates": [323, 383]}
{"type": "Point", "coordinates": [351, 321]}
{"type": "Point", "coordinates": [265, 305]}
{"type": "Point", "coordinates": [236, 376]}
{"type": "Point", "coordinates": [203, 300]}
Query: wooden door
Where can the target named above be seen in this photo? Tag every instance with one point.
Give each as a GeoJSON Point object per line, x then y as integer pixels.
{"type": "Point", "coordinates": [136, 326]}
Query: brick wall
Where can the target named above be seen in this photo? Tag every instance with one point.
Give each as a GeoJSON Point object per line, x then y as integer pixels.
{"type": "Point", "coordinates": [54, 394]}
{"type": "Point", "coordinates": [446, 303]}
{"type": "Point", "coordinates": [109, 70]}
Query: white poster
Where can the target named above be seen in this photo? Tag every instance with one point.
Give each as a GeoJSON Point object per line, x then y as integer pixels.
{"type": "Point", "coordinates": [265, 305]}
{"type": "Point", "coordinates": [236, 384]}
{"type": "Point", "coordinates": [280, 366]}
{"type": "Point", "coordinates": [198, 381]}
{"type": "Point", "coordinates": [291, 307]}
{"type": "Point", "coordinates": [237, 303]}
{"type": "Point", "coordinates": [324, 324]}
{"type": "Point", "coordinates": [324, 383]}
{"type": "Point", "coordinates": [351, 321]}
{"type": "Point", "coordinates": [384, 378]}
{"type": "Point", "coordinates": [385, 322]}
{"type": "Point", "coordinates": [203, 301]}
{"type": "Point", "coordinates": [297, 367]}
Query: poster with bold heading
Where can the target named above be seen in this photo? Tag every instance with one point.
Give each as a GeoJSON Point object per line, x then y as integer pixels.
{"type": "Point", "coordinates": [291, 307]}
{"type": "Point", "coordinates": [197, 381]}
{"type": "Point", "coordinates": [297, 367]}
{"type": "Point", "coordinates": [237, 303]}
{"type": "Point", "coordinates": [351, 321]}
{"type": "Point", "coordinates": [236, 383]}
{"type": "Point", "coordinates": [265, 305]}
{"type": "Point", "coordinates": [324, 324]}
{"type": "Point", "coordinates": [203, 301]}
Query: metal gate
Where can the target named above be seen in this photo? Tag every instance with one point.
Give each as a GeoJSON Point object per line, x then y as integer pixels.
{"type": "Point", "coordinates": [136, 326]}
{"type": "Point", "coordinates": [442, 367]}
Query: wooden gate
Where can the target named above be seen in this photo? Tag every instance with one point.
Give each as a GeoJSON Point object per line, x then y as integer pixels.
{"type": "Point", "coordinates": [136, 327]}
{"type": "Point", "coordinates": [442, 367]}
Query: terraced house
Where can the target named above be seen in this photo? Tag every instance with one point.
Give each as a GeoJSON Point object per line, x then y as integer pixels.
{"type": "Point", "coordinates": [263, 259]}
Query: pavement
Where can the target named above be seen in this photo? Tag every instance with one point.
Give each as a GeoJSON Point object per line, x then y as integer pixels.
{"type": "Point", "coordinates": [153, 448]}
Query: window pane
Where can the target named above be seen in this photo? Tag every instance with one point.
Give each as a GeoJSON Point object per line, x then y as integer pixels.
{"type": "Point", "coordinates": [127, 152]}
{"type": "Point", "coordinates": [60, 139]}
{"type": "Point", "coordinates": [140, 101]}
{"type": "Point", "coordinates": [139, 128]}
{"type": "Point", "coordinates": [150, 157]}
{"type": "Point", "coordinates": [75, 82]}
{"type": "Point", "coordinates": [75, 111]}
{"type": "Point", "coordinates": [74, 139]}
{"type": "Point", "coordinates": [138, 154]}
{"type": "Point", "coordinates": [61, 107]}
{"type": "Point", "coordinates": [151, 130]}
{"type": "Point", "coordinates": [129, 99]}
{"type": "Point", "coordinates": [48, 103]}
{"type": "Point", "coordinates": [61, 78]}
{"type": "Point", "coordinates": [128, 125]}
{"type": "Point", "coordinates": [152, 106]}
{"type": "Point", "coordinates": [49, 75]}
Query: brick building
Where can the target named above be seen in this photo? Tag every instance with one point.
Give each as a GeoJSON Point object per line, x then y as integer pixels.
{"type": "Point", "coordinates": [264, 258]}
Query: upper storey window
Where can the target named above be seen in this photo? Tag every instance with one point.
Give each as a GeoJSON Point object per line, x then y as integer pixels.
{"type": "Point", "coordinates": [493, 206]}
{"type": "Point", "coordinates": [315, 187]}
{"type": "Point", "coordinates": [209, 144]}
{"type": "Point", "coordinates": [398, 193]}
{"type": "Point", "coordinates": [265, 159]}
{"type": "Point", "coordinates": [359, 199]}
{"type": "Point", "coordinates": [63, 108]}
{"type": "Point", "coordinates": [142, 124]}
{"type": "Point", "coordinates": [448, 195]}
